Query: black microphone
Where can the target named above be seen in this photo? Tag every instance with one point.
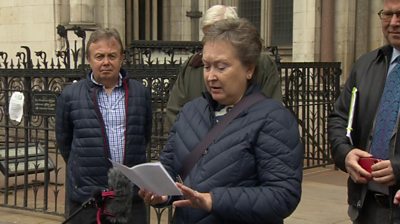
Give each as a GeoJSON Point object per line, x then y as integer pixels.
{"type": "Point", "coordinates": [96, 198]}
{"type": "Point", "coordinates": [119, 205]}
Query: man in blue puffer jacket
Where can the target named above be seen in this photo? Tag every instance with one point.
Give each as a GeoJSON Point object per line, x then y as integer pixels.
{"type": "Point", "coordinates": [106, 116]}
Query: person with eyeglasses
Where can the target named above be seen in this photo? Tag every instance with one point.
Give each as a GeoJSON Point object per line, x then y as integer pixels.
{"type": "Point", "coordinates": [364, 125]}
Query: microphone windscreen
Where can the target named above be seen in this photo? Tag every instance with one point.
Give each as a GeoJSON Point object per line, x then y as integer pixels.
{"type": "Point", "coordinates": [120, 206]}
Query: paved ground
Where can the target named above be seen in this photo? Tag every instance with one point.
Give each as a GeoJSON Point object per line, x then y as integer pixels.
{"type": "Point", "coordinates": [324, 199]}
{"type": "Point", "coordinates": [323, 202]}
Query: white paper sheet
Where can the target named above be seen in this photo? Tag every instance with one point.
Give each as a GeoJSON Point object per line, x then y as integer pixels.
{"type": "Point", "coordinates": [150, 176]}
{"type": "Point", "coordinates": [16, 106]}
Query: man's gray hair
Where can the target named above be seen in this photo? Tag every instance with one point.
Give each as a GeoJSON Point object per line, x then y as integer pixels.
{"type": "Point", "coordinates": [101, 34]}
{"type": "Point", "coordinates": [219, 12]}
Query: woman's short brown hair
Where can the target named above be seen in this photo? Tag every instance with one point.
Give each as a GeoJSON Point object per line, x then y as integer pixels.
{"type": "Point", "coordinates": [243, 36]}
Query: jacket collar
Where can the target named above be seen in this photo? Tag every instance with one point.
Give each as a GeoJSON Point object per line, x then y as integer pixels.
{"type": "Point", "coordinates": [384, 53]}
{"type": "Point", "coordinates": [215, 106]}
{"type": "Point", "coordinates": [123, 73]}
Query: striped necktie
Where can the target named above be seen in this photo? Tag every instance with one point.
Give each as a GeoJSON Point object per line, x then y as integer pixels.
{"type": "Point", "coordinates": [386, 118]}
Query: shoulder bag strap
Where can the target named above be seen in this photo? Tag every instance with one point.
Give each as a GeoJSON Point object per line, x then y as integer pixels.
{"type": "Point", "coordinates": [197, 152]}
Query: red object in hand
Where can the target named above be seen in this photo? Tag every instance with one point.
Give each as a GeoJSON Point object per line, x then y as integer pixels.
{"type": "Point", "coordinates": [367, 162]}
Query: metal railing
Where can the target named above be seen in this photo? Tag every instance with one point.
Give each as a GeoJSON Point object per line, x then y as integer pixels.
{"type": "Point", "coordinates": [309, 91]}
{"type": "Point", "coordinates": [36, 182]}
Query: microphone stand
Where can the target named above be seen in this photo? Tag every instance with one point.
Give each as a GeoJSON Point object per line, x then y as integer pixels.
{"type": "Point", "coordinates": [90, 201]}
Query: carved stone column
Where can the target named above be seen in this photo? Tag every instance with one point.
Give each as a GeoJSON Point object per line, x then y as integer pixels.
{"type": "Point", "coordinates": [82, 12]}
{"type": "Point", "coordinates": [327, 30]}
{"type": "Point", "coordinates": [194, 16]}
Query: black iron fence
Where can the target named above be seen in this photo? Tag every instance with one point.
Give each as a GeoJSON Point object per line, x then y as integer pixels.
{"type": "Point", "coordinates": [32, 169]}
{"type": "Point", "coordinates": [309, 91]}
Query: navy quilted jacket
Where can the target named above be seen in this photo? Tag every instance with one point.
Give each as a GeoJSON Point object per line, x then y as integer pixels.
{"type": "Point", "coordinates": [81, 139]}
{"type": "Point", "coordinates": [253, 169]}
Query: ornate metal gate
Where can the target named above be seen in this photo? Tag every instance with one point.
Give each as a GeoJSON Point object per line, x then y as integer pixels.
{"type": "Point", "coordinates": [32, 169]}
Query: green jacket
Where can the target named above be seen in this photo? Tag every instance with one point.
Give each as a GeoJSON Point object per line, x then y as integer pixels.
{"type": "Point", "coordinates": [189, 83]}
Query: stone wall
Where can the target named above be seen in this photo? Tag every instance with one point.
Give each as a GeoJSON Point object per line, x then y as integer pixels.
{"type": "Point", "coordinates": [33, 23]}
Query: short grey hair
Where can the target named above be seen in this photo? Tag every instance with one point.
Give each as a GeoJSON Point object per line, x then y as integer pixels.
{"type": "Point", "coordinates": [104, 34]}
{"type": "Point", "coordinates": [219, 12]}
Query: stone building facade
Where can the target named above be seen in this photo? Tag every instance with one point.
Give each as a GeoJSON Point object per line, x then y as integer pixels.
{"type": "Point", "coordinates": [304, 30]}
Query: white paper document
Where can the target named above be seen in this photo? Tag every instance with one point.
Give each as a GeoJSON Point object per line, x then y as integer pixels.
{"type": "Point", "coordinates": [16, 106]}
{"type": "Point", "coordinates": [349, 127]}
{"type": "Point", "coordinates": [150, 176]}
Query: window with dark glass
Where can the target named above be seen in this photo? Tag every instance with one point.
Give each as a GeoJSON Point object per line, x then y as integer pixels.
{"type": "Point", "coordinates": [142, 20]}
{"type": "Point", "coordinates": [282, 22]}
{"type": "Point", "coordinates": [250, 9]}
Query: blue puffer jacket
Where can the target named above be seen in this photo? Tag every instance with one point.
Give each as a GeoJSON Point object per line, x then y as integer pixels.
{"type": "Point", "coordinates": [253, 169]}
{"type": "Point", "coordinates": [81, 135]}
